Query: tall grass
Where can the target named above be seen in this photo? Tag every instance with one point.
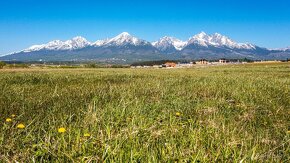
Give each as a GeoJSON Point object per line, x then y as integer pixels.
{"type": "Point", "coordinates": [225, 114]}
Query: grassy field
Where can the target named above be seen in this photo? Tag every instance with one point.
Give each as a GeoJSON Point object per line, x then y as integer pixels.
{"type": "Point", "coordinates": [211, 114]}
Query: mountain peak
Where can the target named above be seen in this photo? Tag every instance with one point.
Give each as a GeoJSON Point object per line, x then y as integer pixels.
{"type": "Point", "coordinates": [167, 43]}
{"type": "Point", "coordinates": [201, 35]}
{"type": "Point", "coordinates": [125, 39]}
{"type": "Point", "coordinates": [124, 34]}
{"type": "Point", "coordinates": [79, 38]}
{"type": "Point", "coordinates": [219, 39]}
{"type": "Point", "coordinates": [200, 39]}
{"type": "Point", "coordinates": [77, 43]}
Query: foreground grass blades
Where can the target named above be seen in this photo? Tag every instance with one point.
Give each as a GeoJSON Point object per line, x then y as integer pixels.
{"type": "Point", "coordinates": [230, 113]}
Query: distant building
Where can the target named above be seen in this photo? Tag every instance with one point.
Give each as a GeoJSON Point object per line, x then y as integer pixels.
{"type": "Point", "coordinates": [222, 60]}
{"type": "Point", "coordinates": [156, 66]}
{"type": "Point", "coordinates": [169, 64]}
{"type": "Point", "coordinates": [202, 62]}
{"type": "Point", "coordinates": [184, 64]}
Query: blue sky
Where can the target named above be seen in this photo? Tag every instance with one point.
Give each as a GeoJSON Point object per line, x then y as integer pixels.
{"type": "Point", "coordinates": [27, 22]}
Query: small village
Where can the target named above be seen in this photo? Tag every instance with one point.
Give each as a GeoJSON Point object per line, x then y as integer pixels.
{"type": "Point", "coordinates": [200, 63]}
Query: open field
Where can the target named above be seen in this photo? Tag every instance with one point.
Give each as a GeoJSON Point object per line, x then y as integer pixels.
{"type": "Point", "coordinates": [225, 114]}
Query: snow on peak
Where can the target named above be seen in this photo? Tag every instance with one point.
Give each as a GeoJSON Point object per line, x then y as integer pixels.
{"type": "Point", "coordinates": [282, 49]}
{"type": "Point", "coordinates": [77, 43]}
{"type": "Point", "coordinates": [220, 40]}
{"type": "Point", "coordinates": [202, 35]}
{"type": "Point", "coordinates": [100, 42]}
{"type": "Point", "coordinates": [124, 34]}
{"type": "Point", "coordinates": [124, 39]}
{"type": "Point", "coordinates": [200, 39]}
{"type": "Point", "coordinates": [79, 39]}
{"type": "Point", "coordinates": [169, 42]}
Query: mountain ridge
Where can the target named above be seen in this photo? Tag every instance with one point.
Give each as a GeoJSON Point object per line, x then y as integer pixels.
{"type": "Point", "coordinates": [127, 47]}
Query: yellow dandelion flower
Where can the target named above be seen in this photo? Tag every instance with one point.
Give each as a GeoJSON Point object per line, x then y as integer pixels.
{"type": "Point", "coordinates": [178, 114]}
{"type": "Point", "coordinates": [21, 126]}
{"type": "Point", "coordinates": [13, 115]}
{"type": "Point", "coordinates": [8, 119]}
{"type": "Point", "coordinates": [61, 130]}
{"type": "Point", "coordinates": [87, 135]}
{"type": "Point", "coordinates": [288, 131]}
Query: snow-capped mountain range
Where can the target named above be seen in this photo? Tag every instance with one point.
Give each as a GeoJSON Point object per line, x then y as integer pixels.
{"type": "Point", "coordinates": [284, 49]}
{"type": "Point", "coordinates": [79, 42]}
{"type": "Point", "coordinates": [125, 38]}
{"type": "Point", "coordinates": [218, 40]}
{"type": "Point", "coordinates": [126, 46]}
{"type": "Point", "coordinates": [75, 43]}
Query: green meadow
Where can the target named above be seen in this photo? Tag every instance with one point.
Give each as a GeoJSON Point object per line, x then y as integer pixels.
{"type": "Point", "coordinates": [234, 113]}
